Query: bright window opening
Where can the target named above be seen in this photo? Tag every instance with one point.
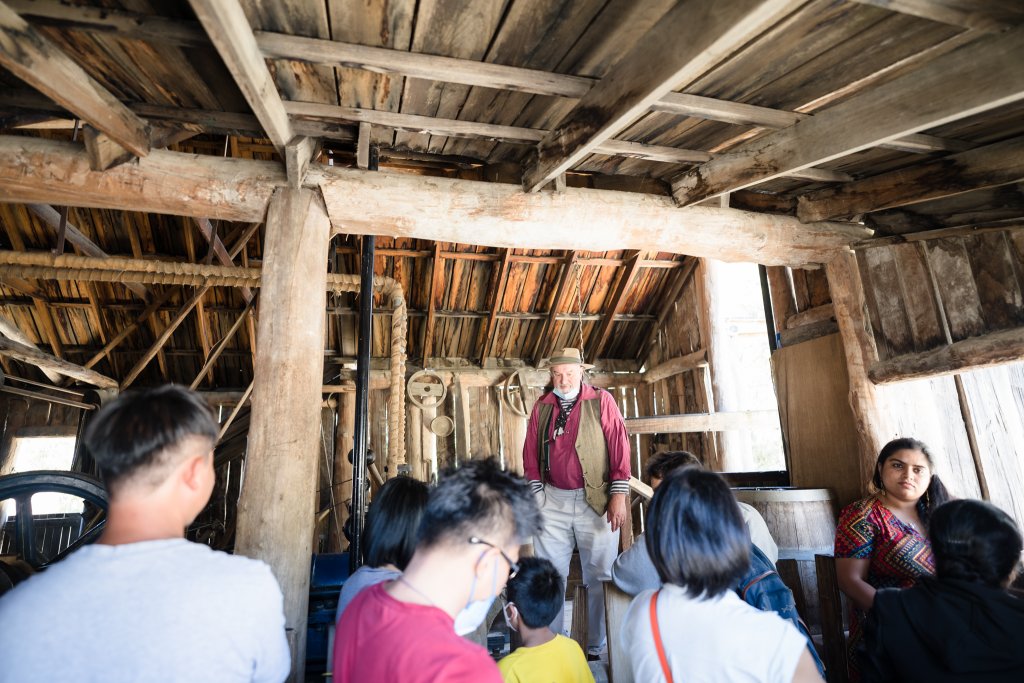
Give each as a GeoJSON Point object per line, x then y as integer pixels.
{"type": "Point", "coordinates": [47, 453]}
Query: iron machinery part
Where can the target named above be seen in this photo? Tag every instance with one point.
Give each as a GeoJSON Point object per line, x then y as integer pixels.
{"type": "Point", "coordinates": [22, 486]}
{"type": "Point", "coordinates": [513, 393]}
{"type": "Point", "coordinates": [418, 389]}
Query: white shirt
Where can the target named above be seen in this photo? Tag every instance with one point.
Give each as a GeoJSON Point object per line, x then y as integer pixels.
{"type": "Point", "coordinates": [720, 640]}
{"type": "Point", "coordinates": [166, 610]}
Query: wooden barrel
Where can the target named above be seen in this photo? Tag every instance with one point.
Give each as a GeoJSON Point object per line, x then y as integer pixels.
{"type": "Point", "coordinates": [803, 523]}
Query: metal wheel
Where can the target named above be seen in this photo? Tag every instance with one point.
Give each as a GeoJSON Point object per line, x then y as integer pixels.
{"type": "Point", "coordinates": [22, 486]}
{"type": "Point", "coordinates": [423, 385]}
{"type": "Point", "coordinates": [513, 393]}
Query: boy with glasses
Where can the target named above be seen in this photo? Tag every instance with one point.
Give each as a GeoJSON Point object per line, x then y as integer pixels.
{"type": "Point", "coordinates": [409, 630]}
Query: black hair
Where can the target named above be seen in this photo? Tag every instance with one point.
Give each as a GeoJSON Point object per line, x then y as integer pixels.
{"type": "Point", "coordinates": [133, 434]}
{"type": "Point", "coordinates": [935, 495]}
{"type": "Point", "coordinates": [479, 499]}
{"type": "Point", "coordinates": [695, 533]}
{"type": "Point", "coordinates": [537, 591]}
{"type": "Point", "coordinates": [667, 461]}
{"type": "Point", "coordinates": [975, 541]}
{"type": "Point", "coordinates": [393, 521]}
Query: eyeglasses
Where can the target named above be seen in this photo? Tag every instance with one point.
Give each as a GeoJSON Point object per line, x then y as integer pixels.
{"type": "Point", "coordinates": [513, 567]}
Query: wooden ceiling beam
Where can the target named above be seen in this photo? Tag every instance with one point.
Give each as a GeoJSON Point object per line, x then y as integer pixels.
{"type": "Point", "coordinates": [229, 31]}
{"type": "Point", "coordinates": [399, 205]}
{"type": "Point", "coordinates": [45, 361]}
{"type": "Point", "coordinates": [997, 164]}
{"type": "Point", "coordinates": [991, 16]}
{"type": "Point", "coordinates": [35, 59]}
{"type": "Point", "coordinates": [615, 303]}
{"type": "Point", "coordinates": [691, 39]}
{"type": "Point", "coordinates": [484, 131]}
{"type": "Point", "coordinates": [569, 263]}
{"type": "Point", "coordinates": [978, 77]}
{"type": "Point", "coordinates": [13, 332]}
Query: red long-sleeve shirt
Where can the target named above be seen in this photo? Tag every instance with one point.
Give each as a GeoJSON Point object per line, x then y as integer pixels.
{"type": "Point", "coordinates": [566, 472]}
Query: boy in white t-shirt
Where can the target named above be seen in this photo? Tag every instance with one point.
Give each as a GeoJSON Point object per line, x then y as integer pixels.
{"type": "Point", "coordinates": [143, 603]}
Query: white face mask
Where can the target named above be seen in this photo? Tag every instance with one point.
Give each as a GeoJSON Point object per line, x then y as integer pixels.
{"type": "Point", "coordinates": [475, 611]}
{"type": "Point", "coordinates": [567, 397]}
{"type": "Point", "coordinates": [508, 619]}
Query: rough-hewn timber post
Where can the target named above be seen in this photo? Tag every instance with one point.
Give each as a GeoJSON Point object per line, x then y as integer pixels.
{"type": "Point", "coordinates": [276, 508]}
{"type": "Point", "coordinates": [342, 467]}
{"type": "Point", "coordinates": [866, 400]}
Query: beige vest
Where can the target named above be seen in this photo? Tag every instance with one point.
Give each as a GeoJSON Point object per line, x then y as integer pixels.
{"type": "Point", "coordinates": [591, 450]}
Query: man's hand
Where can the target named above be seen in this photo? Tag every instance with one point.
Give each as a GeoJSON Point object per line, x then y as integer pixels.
{"type": "Point", "coordinates": [617, 510]}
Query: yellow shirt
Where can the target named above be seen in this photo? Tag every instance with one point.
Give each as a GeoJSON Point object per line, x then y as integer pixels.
{"type": "Point", "coordinates": [557, 661]}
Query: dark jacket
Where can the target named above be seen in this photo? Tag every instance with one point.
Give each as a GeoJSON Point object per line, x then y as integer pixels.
{"type": "Point", "coordinates": [944, 630]}
{"type": "Point", "coordinates": [762, 587]}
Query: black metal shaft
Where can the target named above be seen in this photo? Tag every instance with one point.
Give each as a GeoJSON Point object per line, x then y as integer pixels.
{"type": "Point", "coordinates": [362, 425]}
{"type": "Point", "coordinates": [769, 314]}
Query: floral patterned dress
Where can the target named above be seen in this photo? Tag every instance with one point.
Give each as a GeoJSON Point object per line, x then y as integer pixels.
{"type": "Point", "coordinates": [899, 555]}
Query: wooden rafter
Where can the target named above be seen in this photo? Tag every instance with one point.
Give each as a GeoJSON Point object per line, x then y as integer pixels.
{"type": "Point", "coordinates": [35, 59]}
{"type": "Point", "coordinates": [51, 218]}
{"type": "Point", "coordinates": [220, 251]}
{"type": "Point", "coordinates": [33, 356]}
{"type": "Point", "coordinates": [668, 302]}
{"type": "Point", "coordinates": [202, 322]}
{"type": "Point", "coordinates": [615, 303]}
{"type": "Point", "coordinates": [569, 264]}
{"type": "Point", "coordinates": [164, 336]}
{"type": "Point", "coordinates": [231, 34]}
{"type": "Point", "coordinates": [222, 345]}
{"type": "Point", "coordinates": [688, 41]}
{"type": "Point", "coordinates": [143, 318]}
{"type": "Point", "coordinates": [392, 61]}
{"type": "Point", "coordinates": [991, 16]}
{"type": "Point", "coordinates": [499, 294]}
{"type": "Point", "coordinates": [436, 285]}
{"type": "Point", "coordinates": [997, 164]}
{"type": "Point", "coordinates": [11, 331]}
{"type": "Point", "coordinates": [978, 77]}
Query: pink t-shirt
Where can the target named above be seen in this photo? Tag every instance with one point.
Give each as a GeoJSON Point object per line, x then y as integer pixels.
{"type": "Point", "coordinates": [382, 639]}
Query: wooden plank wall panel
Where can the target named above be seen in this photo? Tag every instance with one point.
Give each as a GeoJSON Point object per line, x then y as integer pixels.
{"type": "Point", "coordinates": [918, 297]}
{"type": "Point", "coordinates": [997, 280]}
{"type": "Point", "coordinates": [960, 299]}
{"type": "Point", "coordinates": [993, 395]}
{"type": "Point", "coordinates": [929, 410]}
{"type": "Point", "coordinates": [813, 390]}
{"type": "Point", "coordinates": [893, 335]}
{"type": "Point", "coordinates": [379, 24]}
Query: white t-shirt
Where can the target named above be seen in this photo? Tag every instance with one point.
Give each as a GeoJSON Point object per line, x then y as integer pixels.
{"type": "Point", "coordinates": [709, 641]}
{"type": "Point", "coordinates": [167, 610]}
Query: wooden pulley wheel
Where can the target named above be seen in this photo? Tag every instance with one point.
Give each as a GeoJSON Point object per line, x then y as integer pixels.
{"type": "Point", "coordinates": [424, 385]}
{"type": "Point", "coordinates": [513, 393]}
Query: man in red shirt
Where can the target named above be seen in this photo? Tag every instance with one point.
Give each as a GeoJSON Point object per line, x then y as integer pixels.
{"type": "Point", "coordinates": [410, 630]}
{"type": "Point", "coordinates": [576, 459]}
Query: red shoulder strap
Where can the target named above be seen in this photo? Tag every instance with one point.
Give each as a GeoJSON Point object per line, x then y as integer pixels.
{"type": "Point", "coordinates": [657, 638]}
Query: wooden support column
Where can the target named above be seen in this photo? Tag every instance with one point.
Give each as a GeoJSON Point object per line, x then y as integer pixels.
{"type": "Point", "coordinates": [276, 511]}
{"type": "Point", "coordinates": [414, 440]}
{"type": "Point", "coordinates": [869, 411]}
{"type": "Point", "coordinates": [463, 427]}
{"type": "Point", "coordinates": [343, 442]}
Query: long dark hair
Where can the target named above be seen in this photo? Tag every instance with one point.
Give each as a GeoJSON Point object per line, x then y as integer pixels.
{"type": "Point", "coordinates": [935, 495]}
{"type": "Point", "coordinates": [975, 541]}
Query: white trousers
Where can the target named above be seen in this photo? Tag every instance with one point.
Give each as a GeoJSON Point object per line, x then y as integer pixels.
{"type": "Point", "coordinates": [569, 522]}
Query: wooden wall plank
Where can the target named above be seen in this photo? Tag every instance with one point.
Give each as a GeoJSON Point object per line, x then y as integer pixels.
{"type": "Point", "coordinates": [996, 279]}
{"type": "Point", "coordinates": [960, 300]}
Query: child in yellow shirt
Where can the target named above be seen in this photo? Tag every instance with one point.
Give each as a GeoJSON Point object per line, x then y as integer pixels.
{"type": "Point", "coordinates": [535, 595]}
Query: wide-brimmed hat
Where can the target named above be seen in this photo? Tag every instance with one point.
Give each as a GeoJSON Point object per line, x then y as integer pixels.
{"type": "Point", "coordinates": [566, 356]}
